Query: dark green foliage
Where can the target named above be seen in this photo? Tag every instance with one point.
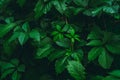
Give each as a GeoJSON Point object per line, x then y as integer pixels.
{"type": "Point", "coordinates": [59, 39]}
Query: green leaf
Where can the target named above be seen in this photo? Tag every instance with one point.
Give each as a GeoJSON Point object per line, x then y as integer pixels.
{"type": "Point", "coordinates": [34, 34]}
{"type": "Point", "coordinates": [38, 9]}
{"type": "Point", "coordinates": [25, 26]}
{"type": "Point", "coordinates": [44, 51]}
{"type": "Point", "coordinates": [60, 65]}
{"type": "Point", "coordinates": [77, 55]}
{"type": "Point", "coordinates": [63, 43]}
{"type": "Point", "coordinates": [21, 68]}
{"type": "Point", "coordinates": [82, 3]}
{"type": "Point", "coordinates": [15, 62]}
{"type": "Point", "coordinates": [60, 5]}
{"type": "Point", "coordinates": [111, 9]}
{"type": "Point", "coordinates": [42, 8]}
{"type": "Point", "coordinates": [4, 29]}
{"type": "Point", "coordinates": [113, 48]}
{"type": "Point", "coordinates": [76, 70]}
{"type": "Point", "coordinates": [14, 36]}
{"type": "Point", "coordinates": [110, 78]}
{"type": "Point", "coordinates": [95, 33]}
{"type": "Point", "coordinates": [16, 76]}
{"type": "Point", "coordinates": [94, 53]}
{"type": "Point", "coordinates": [56, 54]}
{"type": "Point", "coordinates": [21, 2]}
{"type": "Point", "coordinates": [105, 60]}
{"type": "Point", "coordinates": [58, 27]}
{"type": "Point", "coordinates": [22, 38]}
{"type": "Point", "coordinates": [115, 73]}
{"type": "Point", "coordinates": [95, 43]}
{"type": "Point", "coordinates": [6, 73]}
{"type": "Point", "coordinates": [6, 65]}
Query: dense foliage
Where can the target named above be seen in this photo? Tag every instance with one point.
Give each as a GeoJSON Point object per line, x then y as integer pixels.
{"type": "Point", "coordinates": [59, 39]}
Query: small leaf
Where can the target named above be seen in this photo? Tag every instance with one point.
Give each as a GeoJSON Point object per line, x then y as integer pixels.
{"type": "Point", "coordinates": [76, 70]}
{"type": "Point", "coordinates": [105, 60]}
{"type": "Point", "coordinates": [34, 34]}
{"type": "Point", "coordinates": [21, 68]}
{"type": "Point", "coordinates": [25, 26]}
{"type": "Point", "coordinates": [22, 38]}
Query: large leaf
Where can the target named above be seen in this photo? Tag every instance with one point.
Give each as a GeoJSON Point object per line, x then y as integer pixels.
{"type": "Point", "coordinates": [76, 70]}
{"type": "Point", "coordinates": [94, 53]}
{"type": "Point", "coordinates": [105, 60]}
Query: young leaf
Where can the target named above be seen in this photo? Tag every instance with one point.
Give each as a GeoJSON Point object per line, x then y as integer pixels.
{"type": "Point", "coordinates": [76, 70]}
{"type": "Point", "coordinates": [105, 60]}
